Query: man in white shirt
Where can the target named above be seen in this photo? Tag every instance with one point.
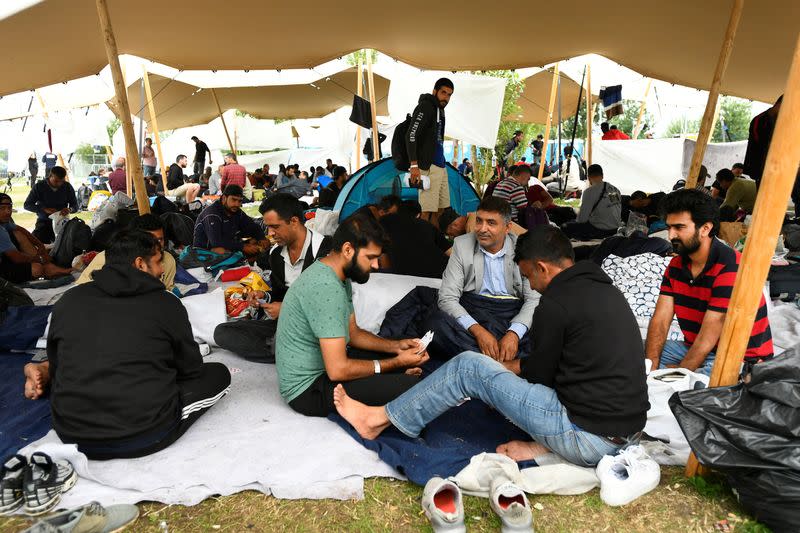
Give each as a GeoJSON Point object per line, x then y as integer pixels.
{"type": "Point", "coordinates": [600, 215]}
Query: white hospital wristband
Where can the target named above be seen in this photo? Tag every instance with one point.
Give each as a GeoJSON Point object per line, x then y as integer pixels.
{"type": "Point", "coordinates": [377, 366]}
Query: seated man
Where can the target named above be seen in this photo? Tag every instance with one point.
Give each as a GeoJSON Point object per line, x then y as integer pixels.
{"type": "Point", "coordinates": [483, 302]}
{"type": "Point", "coordinates": [297, 247]}
{"type": "Point", "coordinates": [328, 195]}
{"type": "Point", "coordinates": [697, 287]}
{"type": "Point", "coordinates": [222, 225]}
{"type": "Point", "coordinates": [581, 393]}
{"type": "Point", "coordinates": [152, 225]}
{"type": "Point", "coordinates": [388, 205]}
{"type": "Point", "coordinates": [176, 181]}
{"type": "Point", "coordinates": [48, 196]}
{"type": "Point", "coordinates": [117, 180]}
{"type": "Point", "coordinates": [648, 205]}
{"type": "Point", "coordinates": [23, 257]}
{"type": "Point", "coordinates": [513, 189]}
{"type": "Point", "coordinates": [601, 209]}
{"type": "Point", "coordinates": [138, 385]}
{"type": "Point", "coordinates": [232, 173]}
{"type": "Point", "coordinates": [317, 325]}
{"type": "Point", "coordinates": [416, 247]}
{"type": "Point", "coordinates": [740, 193]}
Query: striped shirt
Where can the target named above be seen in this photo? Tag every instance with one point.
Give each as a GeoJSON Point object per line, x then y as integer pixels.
{"type": "Point", "coordinates": [512, 192]}
{"type": "Point", "coordinates": [711, 290]}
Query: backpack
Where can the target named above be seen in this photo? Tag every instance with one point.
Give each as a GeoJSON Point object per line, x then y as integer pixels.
{"type": "Point", "coordinates": [101, 238]}
{"type": "Point", "coordinates": [192, 257]}
{"type": "Point", "coordinates": [399, 148]}
{"type": "Point", "coordinates": [12, 296]}
{"type": "Point", "coordinates": [83, 195]}
{"type": "Point", "coordinates": [178, 228]}
{"type": "Point", "coordinates": [163, 205]}
{"type": "Point", "coordinates": [73, 240]}
{"type": "Point", "coordinates": [784, 281]}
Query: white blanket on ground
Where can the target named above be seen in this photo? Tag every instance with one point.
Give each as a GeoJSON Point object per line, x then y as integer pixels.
{"type": "Point", "coordinates": [250, 440]}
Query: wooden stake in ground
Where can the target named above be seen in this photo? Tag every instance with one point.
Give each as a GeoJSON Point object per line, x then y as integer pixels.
{"type": "Point", "coordinates": [360, 93]}
{"type": "Point", "coordinates": [134, 166]}
{"type": "Point", "coordinates": [47, 119]}
{"type": "Point", "coordinates": [635, 133]}
{"type": "Point", "coordinates": [224, 126]}
{"type": "Point", "coordinates": [550, 105]}
{"type": "Point", "coordinates": [780, 172]}
{"type": "Point", "coordinates": [151, 107]}
{"type": "Point", "coordinates": [589, 113]}
{"type": "Point", "coordinates": [713, 95]}
{"type": "Point", "coordinates": [376, 145]}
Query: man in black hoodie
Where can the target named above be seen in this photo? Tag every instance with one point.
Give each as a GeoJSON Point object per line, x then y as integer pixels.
{"type": "Point", "coordinates": [581, 393]}
{"type": "Point", "coordinates": [425, 145]}
{"type": "Point", "coordinates": [127, 377]}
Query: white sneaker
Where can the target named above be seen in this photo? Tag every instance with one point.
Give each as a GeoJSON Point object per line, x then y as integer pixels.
{"type": "Point", "coordinates": [510, 503]}
{"type": "Point", "coordinates": [626, 476]}
{"type": "Point", "coordinates": [443, 505]}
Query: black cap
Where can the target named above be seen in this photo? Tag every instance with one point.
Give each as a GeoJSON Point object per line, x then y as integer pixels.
{"type": "Point", "coordinates": [233, 190]}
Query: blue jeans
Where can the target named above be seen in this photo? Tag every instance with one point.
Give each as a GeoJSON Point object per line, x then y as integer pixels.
{"type": "Point", "coordinates": [674, 352]}
{"type": "Point", "coordinates": [534, 408]}
{"type": "Point", "coordinates": [147, 170]}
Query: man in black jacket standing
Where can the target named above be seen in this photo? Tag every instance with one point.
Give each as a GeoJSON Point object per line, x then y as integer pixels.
{"type": "Point", "coordinates": [127, 377]}
{"type": "Point", "coordinates": [425, 145]}
{"type": "Point", "coordinates": [581, 393]}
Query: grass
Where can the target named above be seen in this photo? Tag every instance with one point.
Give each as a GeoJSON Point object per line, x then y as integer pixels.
{"type": "Point", "coordinates": [393, 506]}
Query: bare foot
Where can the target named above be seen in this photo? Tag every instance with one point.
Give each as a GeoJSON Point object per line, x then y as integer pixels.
{"type": "Point", "coordinates": [367, 421]}
{"type": "Point", "coordinates": [37, 376]}
{"type": "Point", "coordinates": [522, 451]}
{"type": "Point", "coordinates": [415, 371]}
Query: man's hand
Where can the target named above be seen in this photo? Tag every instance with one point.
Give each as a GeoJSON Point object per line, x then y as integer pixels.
{"type": "Point", "coordinates": [64, 212]}
{"type": "Point", "coordinates": [410, 358]}
{"type": "Point", "coordinates": [49, 210]}
{"type": "Point", "coordinates": [405, 344]}
{"type": "Point", "coordinates": [272, 309]}
{"type": "Point", "coordinates": [415, 177]}
{"type": "Point", "coordinates": [537, 205]}
{"type": "Point", "coordinates": [219, 250]}
{"type": "Point", "coordinates": [487, 343]}
{"type": "Point", "coordinates": [250, 249]}
{"type": "Point", "coordinates": [508, 346]}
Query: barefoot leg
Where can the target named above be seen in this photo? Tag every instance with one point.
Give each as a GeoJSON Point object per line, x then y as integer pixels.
{"type": "Point", "coordinates": [37, 377]}
{"type": "Point", "coordinates": [522, 451]}
{"type": "Point", "coordinates": [367, 421]}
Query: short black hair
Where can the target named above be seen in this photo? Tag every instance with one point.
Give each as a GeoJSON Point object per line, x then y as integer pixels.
{"type": "Point", "coordinates": [411, 208]}
{"type": "Point", "coordinates": [614, 127]}
{"type": "Point", "coordinates": [464, 160]}
{"type": "Point", "coordinates": [233, 190]}
{"type": "Point", "coordinates": [359, 230]}
{"type": "Point", "coordinates": [194, 138]}
{"type": "Point", "coordinates": [337, 171]}
{"type": "Point", "coordinates": [446, 218]}
{"type": "Point", "coordinates": [389, 201]}
{"type": "Point", "coordinates": [493, 204]}
{"type": "Point", "coordinates": [540, 136]}
{"type": "Point", "coordinates": [180, 156]}
{"type": "Point", "coordinates": [737, 165]}
{"type": "Point", "coordinates": [544, 243]}
{"type": "Point", "coordinates": [594, 170]}
{"type": "Point", "coordinates": [725, 174]}
{"type": "Point", "coordinates": [517, 132]}
{"type": "Point", "coordinates": [604, 126]}
{"type": "Point", "coordinates": [443, 82]}
{"type": "Point", "coordinates": [146, 222]}
{"type": "Point", "coordinates": [518, 169]}
{"type": "Point", "coordinates": [128, 244]}
{"type": "Point", "coordinates": [285, 205]}
{"type": "Point", "coordinates": [638, 195]}
{"type": "Point", "coordinates": [700, 206]}
{"type": "Point", "coordinates": [4, 197]}
{"type": "Point", "coordinates": [59, 172]}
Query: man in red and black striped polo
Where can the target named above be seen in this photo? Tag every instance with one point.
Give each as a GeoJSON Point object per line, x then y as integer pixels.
{"type": "Point", "coordinates": [696, 288]}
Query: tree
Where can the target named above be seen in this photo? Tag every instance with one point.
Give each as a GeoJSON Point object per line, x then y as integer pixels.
{"type": "Point", "coordinates": [735, 113]}
{"type": "Point", "coordinates": [627, 120]}
{"type": "Point", "coordinates": [112, 127]}
{"type": "Point", "coordinates": [681, 126]}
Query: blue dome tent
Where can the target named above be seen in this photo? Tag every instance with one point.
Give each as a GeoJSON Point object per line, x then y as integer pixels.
{"type": "Point", "coordinates": [376, 180]}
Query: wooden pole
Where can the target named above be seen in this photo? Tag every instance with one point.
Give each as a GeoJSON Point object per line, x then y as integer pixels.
{"type": "Point", "coordinates": [47, 119]}
{"type": "Point", "coordinates": [224, 126]}
{"type": "Point", "coordinates": [134, 166]}
{"type": "Point", "coordinates": [713, 95]}
{"type": "Point", "coordinates": [589, 113]}
{"type": "Point", "coordinates": [376, 145]}
{"type": "Point", "coordinates": [780, 172]}
{"type": "Point", "coordinates": [635, 132]}
{"type": "Point", "coordinates": [360, 93]}
{"type": "Point", "coordinates": [151, 107]}
{"type": "Point", "coordinates": [551, 103]}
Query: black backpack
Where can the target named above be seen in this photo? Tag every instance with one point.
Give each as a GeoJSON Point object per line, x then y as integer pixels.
{"type": "Point", "coordinates": [103, 234]}
{"type": "Point", "coordinates": [74, 239]}
{"type": "Point", "coordinates": [178, 228]}
{"type": "Point", "coordinates": [784, 281]}
{"type": "Point", "coordinates": [163, 205]}
{"type": "Point", "coordinates": [399, 148]}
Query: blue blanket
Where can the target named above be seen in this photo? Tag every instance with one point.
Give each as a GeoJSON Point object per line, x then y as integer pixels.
{"type": "Point", "coordinates": [22, 421]}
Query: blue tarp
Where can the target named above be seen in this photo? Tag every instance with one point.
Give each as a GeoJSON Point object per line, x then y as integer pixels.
{"type": "Point", "coordinates": [22, 421]}
{"type": "Point", "coordinates": [376, 180]}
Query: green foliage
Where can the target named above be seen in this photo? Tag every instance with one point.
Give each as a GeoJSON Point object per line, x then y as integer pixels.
{"type": "Point", "coordinates": [567, 123]}
{"type": "Point", "coordinates": [112, 127]}
{"type": "Point", "coordinates": [681, 126]}
{"type": "Point", "coordinates": [242, 114]}
{"type": "Point", "coordinates": [85, 152]}
{"type": "Point", "coordinates": [352, 59]}
{"type": "Point", "coordinates": [737, 114]}
{"type": "Point", "coordinates": [708, 488]}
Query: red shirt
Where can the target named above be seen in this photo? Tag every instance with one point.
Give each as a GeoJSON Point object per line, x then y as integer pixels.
{"type": "Point", "coordinates": [233, 174]}
{"type": "Point", "coordinates": [615, 135]}
{"type": "Point", "coordinates": [712, 290]}
{"type": "Point", "coordinates": [117, 181]}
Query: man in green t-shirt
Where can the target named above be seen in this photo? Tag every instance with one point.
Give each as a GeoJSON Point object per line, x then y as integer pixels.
{"type": "Point", "coordinates": [740, 194]}
{"type": "Point", "coordinates": [317, 324]}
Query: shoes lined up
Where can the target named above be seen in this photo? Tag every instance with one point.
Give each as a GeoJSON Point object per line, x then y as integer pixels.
{"type": "Point", "coordinates": [36, 484]}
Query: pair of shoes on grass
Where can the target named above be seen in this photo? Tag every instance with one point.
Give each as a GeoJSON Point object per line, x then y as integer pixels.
{"type": "Point", "coordinates": [35, 484]}
{"type": "Point", "coordinates": [444, 507]}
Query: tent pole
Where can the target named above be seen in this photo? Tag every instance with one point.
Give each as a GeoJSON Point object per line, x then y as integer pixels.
{"type": "Point", "coordinates": [713, 95]}
{"type": "Point", "coordinates": [151, 107]}
{"type": "Point", "coordinates": [224, 126]}
{"type": "Point", "coordinates": [780, 172]}
{"type": "Point", "coordinates": [47, 119]}
{"type": "Point", "coordinates": [574, 128]}
{"type": "Point", "coordinates": [589, 113]}
{"type": "Point", "coordinates": [473, 155]}
{"type": "Point", "coordinates": [376, 145]}
{"type": "Point", "coordinates": [134, 167]}
{"type": "Point", "coordinates": [360, 93]}
{"type": "Point", "coordinates": [551, 103]}
{"type": "Point", "coordinates": [560, 154]}
{"type": "Point", "coordinates": [635, 132]}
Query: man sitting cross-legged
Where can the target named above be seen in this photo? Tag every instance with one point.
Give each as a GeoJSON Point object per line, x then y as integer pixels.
{"type": "Point", "coordinates": [581, 393]}
{"type": "Point", "coordinates": [484, 304]}
{"type": "Point", "coordinates": [127, 378]}
{"type": "Point", "coordinates": [317, 325]}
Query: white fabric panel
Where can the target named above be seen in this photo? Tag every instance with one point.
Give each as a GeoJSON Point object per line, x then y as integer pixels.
{"type": "Point", "coordinates": [371, 310]}
{"type": "Point", "coordinates": [305, 157]}
{"type": "Point", "coordinates": [717, 156]}
{"type": "Point", "coordinates": [649, 165]}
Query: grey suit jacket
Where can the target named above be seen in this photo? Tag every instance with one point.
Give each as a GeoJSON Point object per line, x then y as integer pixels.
{"type": "Point", "coordinates": [464, 273]}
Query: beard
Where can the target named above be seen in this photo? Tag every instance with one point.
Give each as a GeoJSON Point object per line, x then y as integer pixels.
{"type": "Point", "coordinates": [354, 273]}
{"type": "Point", "coordinates": [685, 249]}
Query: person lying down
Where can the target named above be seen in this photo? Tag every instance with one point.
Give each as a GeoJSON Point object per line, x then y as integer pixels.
{"type": "Point", "coordinates": [582, 391]}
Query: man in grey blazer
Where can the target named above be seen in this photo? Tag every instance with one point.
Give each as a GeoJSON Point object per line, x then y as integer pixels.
{"type": "Point", "coordinates": [481, 275]}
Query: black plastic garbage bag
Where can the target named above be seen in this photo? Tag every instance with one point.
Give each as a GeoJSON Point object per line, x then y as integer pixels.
{"type": "Point", "coordinates": [751, 433]}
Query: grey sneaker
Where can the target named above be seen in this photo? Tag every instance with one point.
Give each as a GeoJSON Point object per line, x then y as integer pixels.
{"type": "Point", "coordinates": [92, 518]}
{"type": "Point", "coordinates": [44, 483]}
{"type": "Point", "coordinates": [11, 475]}
{"type": "Point", "coordinates": [443, 505]}
{"type": "Point", "coordinates": [511, 505]}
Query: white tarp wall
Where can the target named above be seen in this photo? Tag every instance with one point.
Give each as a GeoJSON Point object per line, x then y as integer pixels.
{"type": "Point", "coordinates": [717, 156]}
{"type": "Point", "coordinates": [305, 157]}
